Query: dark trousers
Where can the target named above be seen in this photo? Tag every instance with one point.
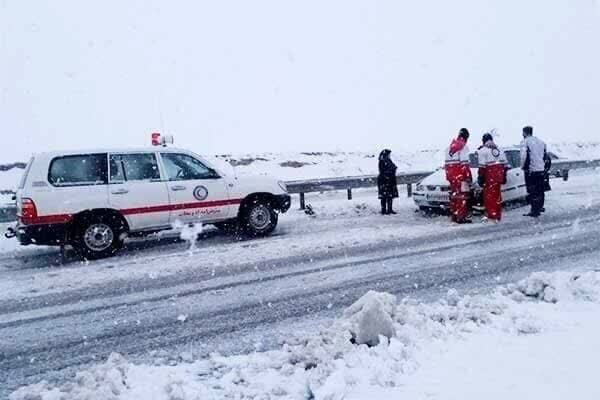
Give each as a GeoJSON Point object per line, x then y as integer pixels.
{"type": "Point", "coordinates": [386, 205]}
{"type": "Point", "coordinates": [535, 190]}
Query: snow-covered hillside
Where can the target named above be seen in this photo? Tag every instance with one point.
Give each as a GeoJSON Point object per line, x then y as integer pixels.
{"type": "Point", "coordinates": [309, 165]}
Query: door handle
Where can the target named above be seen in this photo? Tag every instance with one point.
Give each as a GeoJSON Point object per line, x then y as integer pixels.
{"type": "Point", "coordinates": [120, 191]}
{"type": "Point", "coordinates": [177, 187]}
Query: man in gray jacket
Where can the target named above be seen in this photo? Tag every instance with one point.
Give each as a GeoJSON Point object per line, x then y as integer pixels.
{"type": "Point", "coordinates": [533, 162]}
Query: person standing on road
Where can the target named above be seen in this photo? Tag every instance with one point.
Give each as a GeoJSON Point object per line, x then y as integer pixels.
{"type": "Point", "coordinates": [387, 184]}
{"type": "Point", "coordinates": [491, 177]}
{"type": "Point", "coordinates": [533, 163]}
{"type": "Point", "coordinates": [458, 173]}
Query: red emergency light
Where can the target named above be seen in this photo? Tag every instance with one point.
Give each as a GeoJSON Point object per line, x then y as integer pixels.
{"type": "Point", "coordinates": [155, 139]}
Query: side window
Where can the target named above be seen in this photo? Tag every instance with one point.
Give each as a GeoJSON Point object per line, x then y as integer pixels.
{"type": "Point", "coordinates": [78, 170]}
{"type": "Point", "coordinates": [181, 167]}
{"type": "Point", "coordinates": [133, 167]}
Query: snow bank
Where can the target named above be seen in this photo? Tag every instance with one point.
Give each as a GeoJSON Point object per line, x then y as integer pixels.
{"type": "Point", "coordinates": [328, 365]}
{"type": "Point", "coordinates": [555, 287]}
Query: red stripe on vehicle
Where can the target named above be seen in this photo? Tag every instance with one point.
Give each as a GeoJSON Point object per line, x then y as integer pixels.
{"type": "Point", "coordinates": [64, 218]}
{"type": "Point", "coordinates": [181, 206]}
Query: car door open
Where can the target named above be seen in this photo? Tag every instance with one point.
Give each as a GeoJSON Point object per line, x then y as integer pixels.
{"type": "Point", "coordinates": [197, 192]}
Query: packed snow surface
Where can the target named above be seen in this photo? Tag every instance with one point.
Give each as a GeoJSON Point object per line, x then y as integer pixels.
{"type": "Point", "coordinates": [518, 340]}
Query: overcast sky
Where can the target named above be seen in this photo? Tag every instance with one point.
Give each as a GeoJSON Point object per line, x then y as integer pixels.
{"type": "Point", "coordinates": [254, 76]}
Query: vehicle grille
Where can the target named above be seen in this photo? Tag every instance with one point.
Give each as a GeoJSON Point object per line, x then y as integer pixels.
{"type": "Point", "coordinates": [437, 188]}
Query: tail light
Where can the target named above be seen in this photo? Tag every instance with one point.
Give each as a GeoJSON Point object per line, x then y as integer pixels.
{"type": "Point", "coordinates": [28, 211]}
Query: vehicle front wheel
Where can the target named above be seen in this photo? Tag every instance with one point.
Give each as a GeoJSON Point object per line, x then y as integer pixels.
{"type": "Point", "coordinates": [96, 237]}
{"type": "Point", "coordinates": [259, 218]}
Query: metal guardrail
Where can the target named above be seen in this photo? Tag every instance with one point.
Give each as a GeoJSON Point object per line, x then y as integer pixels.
{"type": "Point", "coordinates": [8, 213]}
{"type": "Point", "coordinates": [559, 169]}
{"type": "Point", "coordinates": [348, 183]}
{"type": "Point", "coordinates": [566, 165]}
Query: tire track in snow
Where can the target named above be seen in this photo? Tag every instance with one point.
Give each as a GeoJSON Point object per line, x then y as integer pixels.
{"type": "Point", "coordinates": [425, 276]}
{"type": "Point", "coordinates": [124, 287]}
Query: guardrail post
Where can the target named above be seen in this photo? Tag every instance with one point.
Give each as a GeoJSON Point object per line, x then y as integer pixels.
{"type": "Point", "coordinates": [302, 202]}
{"type": "Point", "coordinates": [349, 194]}
{"type": "Point", "coordinates": [409, 189]}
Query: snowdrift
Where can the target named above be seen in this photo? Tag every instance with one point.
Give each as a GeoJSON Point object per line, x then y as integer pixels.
{"type": "Point", "coordinates": [331, 363]}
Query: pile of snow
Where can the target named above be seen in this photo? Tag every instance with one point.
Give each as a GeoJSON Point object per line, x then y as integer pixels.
{"type": "Point", "coordinates": [331, 364]}
{"type": "Point", "coordinates": [555, 287]}
{"type": "Point", "coordinates": [371, 317]}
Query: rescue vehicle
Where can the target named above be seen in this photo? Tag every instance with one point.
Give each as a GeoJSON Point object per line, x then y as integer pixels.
{"type": "Point", "coordinates": [94, 199]}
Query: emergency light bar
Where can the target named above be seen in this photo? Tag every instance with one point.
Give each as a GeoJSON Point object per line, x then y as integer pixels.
{"type": "Point", "coordinates": [158, 140]}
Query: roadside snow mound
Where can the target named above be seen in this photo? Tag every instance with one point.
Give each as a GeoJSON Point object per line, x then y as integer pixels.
{"type": "Point", "coordinates": [371, 316]}
{"type": "Point", "coordinates": [555, 287]}
{"type": "Point", "coordinates": [328, 365]}
{"type": "Point", "coordinates": [106, 381]}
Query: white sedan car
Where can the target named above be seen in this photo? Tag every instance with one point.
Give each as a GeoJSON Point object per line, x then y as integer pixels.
{"type": "Point", "coordinates": [433, 192]}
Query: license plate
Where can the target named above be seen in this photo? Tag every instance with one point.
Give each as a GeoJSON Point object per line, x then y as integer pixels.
{"type": "Point", "coordinates": [441, 197]}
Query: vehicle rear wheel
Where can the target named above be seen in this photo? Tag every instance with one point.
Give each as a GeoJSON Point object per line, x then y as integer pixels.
{"type": "Point", "coordinates": [259, 218]}
{"type": "Point", "coordinates": [98, 236]}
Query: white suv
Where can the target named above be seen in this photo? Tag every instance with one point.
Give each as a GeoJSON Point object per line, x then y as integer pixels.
{"type": "Point", "coordinates": [94, 199]}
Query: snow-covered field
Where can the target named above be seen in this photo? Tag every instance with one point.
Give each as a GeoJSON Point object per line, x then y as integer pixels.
{"type": "Point", "coordinates": [310, 165]}
{"type": "Point", "coordinates": [533, 339]}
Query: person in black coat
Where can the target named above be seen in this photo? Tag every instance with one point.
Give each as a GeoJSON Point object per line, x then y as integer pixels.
{"type": "Point", "coordinates": [386, 182]}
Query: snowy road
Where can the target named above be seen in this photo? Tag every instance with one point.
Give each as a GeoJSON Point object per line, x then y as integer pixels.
{"type": "Point", "coordinates": [240, 296]}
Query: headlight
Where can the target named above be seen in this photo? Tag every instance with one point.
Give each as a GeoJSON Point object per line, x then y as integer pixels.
{"type": "Point", "coordinates": [420, 188]}
{"type": "Point", "coordinates": [283, 186]}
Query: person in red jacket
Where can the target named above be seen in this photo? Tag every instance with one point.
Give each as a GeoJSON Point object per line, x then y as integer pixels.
{"type": "Point", "coordinates": [491, 177]}
{"type": "Point", "coordinates": [458, 173]}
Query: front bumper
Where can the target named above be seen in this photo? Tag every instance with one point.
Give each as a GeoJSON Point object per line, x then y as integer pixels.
{"type": "Point", "coordinates": [421, 200]}
{"type": "Point", "coordinates": [47, 235]}
{"type": "Point", "coordinates": [283, 202]}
